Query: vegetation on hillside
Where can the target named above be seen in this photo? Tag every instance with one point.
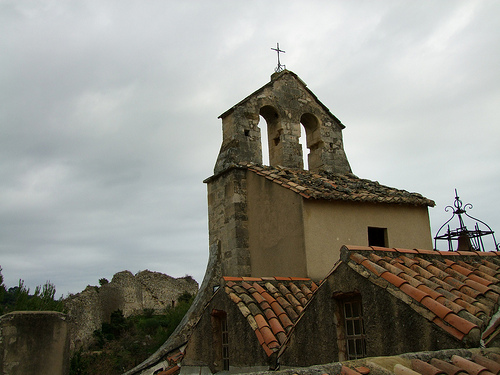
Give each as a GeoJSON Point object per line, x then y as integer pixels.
{"type": "Point", "coordinates": [19, 298]}
{"type": "Point", "coordinates": [123, 343]}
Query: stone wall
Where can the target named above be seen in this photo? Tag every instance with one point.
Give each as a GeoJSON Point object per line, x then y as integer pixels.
{"type": "Point", "coordinates": [228, 221]}
{"type": "Point", "coordinates": [286, 104]}
{"type": "Point", "coordinates": [34, 342]}
{"type": "Point", "coordinates": [126, 292]}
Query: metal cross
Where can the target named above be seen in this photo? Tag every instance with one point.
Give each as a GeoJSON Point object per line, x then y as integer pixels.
{"type": "Point", "coordinates": [280, 67]}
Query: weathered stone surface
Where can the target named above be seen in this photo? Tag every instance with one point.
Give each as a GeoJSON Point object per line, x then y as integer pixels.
{"type": "Point", "coordinates": [34, 342]}
{"type": "Point", "coordinates": [185, 328]}
{"type": "Point", "coordinates": [126, 292]}
{"type": "Point", "coordinates": [286, 104]}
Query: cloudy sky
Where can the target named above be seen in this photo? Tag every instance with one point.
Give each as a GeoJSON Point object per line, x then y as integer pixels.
{"type": "Point", "coordinates": [108, 116]}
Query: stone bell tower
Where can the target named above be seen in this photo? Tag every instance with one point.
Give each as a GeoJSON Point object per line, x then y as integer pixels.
{"type": "Point", "coordinates": [286, 104]}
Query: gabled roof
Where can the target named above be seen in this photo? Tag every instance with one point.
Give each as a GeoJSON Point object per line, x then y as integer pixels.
{"type": "Point", "coordinates": [457, 291]}
{"type": "Point", "coordinates": [271, 305]}
{"type": "Point", "coordinates": [460, 363]}
{"type": "Point", "coordinates": [485, 361]}
{"type": "Point", "coordinates": [274, 78]}
{"type": "Point", "coordinates": [330, 186]}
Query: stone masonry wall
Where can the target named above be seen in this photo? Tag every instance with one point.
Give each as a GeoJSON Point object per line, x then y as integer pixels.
{"type": "Point", "coordinates": [285, 103]}
{"type": "Point", "coordinates": [126, 292]}
{"type": "Point", "coordinates": [228, 221]}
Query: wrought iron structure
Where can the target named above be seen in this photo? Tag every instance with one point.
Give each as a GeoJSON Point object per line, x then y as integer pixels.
{"type": "Point", "coordinates": [280, 67]}
{"type": "Point", "coordinates": [467, 239]}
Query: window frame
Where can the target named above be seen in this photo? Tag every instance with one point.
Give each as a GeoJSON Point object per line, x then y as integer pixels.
{"type": "Point", "coordinates": [351, 336]}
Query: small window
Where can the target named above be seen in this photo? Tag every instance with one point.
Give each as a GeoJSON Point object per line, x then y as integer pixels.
{"type": "Point", "coordinates": [225, 344]}
{"type": "Point", "coordinates": [220, 341]}
{"type": "Point", "coordinates": [377, 237]}
{"type": "Point", "coordinates": [354, 329]}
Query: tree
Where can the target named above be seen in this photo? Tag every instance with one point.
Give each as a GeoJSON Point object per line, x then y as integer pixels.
{"type": "Point", "coordinates": [19, 298]}
{"type": "Point", "coordinates": [3, 291]}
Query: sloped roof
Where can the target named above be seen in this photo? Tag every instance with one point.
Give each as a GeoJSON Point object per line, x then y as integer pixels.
{"type": "Point", "coordinates": [456, 364]}
{"type": "Point", "coordinates": [485, 361]}
{"type": "Point", "coordinates": [457, 291]}
{"type": "Point", "coordinates": [330, 186]}
{"type": "Point", "coordinates": [172, 366]}
{"type": "Point", "coordinates": [271, 305]}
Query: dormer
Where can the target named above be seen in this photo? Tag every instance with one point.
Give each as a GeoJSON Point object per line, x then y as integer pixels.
{"type": "Point", "coordinates": [286, 104]}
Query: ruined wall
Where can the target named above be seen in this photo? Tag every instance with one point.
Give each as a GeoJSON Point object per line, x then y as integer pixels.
{"type": "Point", "coordinates": [126, 292]}
{"type": "Point", "coordinates": [34, 342]}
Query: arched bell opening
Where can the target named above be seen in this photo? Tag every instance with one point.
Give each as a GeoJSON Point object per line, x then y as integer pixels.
{"type": "Point", "coordinates": [272, 143]}
{"type": "Point", "coordinates": [310, 141]}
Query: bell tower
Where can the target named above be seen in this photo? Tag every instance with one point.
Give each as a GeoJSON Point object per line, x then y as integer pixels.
{"type": "Point", "coordinates": [286, 104]}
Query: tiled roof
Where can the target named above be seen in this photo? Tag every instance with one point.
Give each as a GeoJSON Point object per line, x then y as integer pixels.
{"type": "Point", "coordinates": [457, 291]}
{"type": "Point", "coordinates": [474, 362]}
{"type": "Point", "coordinates": [330, 186]}
{"type": "Point", "coordinates": [271, 305]}
{"type": "Point", "coordinates": [173, 359]}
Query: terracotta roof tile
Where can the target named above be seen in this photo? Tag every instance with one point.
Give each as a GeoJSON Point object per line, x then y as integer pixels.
{"type": "Point", "coordinates": [399, 369]}
{"type": "Point", "coordinates": [471, 367]}
{"type": "Point", "coordinates": [173, 359]}
{"type": "Point", "coordinates": [447, 367]}
{"type": "Point", "coordinates": [329, 186]}
{"type": "Point", "coordinates": [491, 365]}
{"type": "Point", "coordinates": [451, 330]}
{"type": "Point", "coordinates": [460, 291]}
{"type": "Point", "coordinates": [276, 326]}
{"type": "Point", "coordinates": [363, 370]}
{"type": "Point", "coordinates": [413, 292]}
{"type": "Point", "coordinates": [393, 279]}
{"type": "Point", "coordinates": [425, 368]}
{"type": "Point", "coordinates": [313, 287]}
{"type": "Point", "coordinates": [348, 371]}
{"type": "Point", "coordinates": [271, 305]}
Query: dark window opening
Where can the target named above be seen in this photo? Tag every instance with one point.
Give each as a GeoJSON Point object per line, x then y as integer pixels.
{"type": "Point", "coordinates": [225, 344]}
{"type": "Point", "coordinates": [247, 132]}
{"type": "Point", "coordinates": [220, 341]}
{"type": "Point", "coordinates": [354, 329]}
{"type": "Point", "coordinates": [377, 237]}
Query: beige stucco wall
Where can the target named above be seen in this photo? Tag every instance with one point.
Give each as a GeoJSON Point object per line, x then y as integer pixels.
{"type": "Point", "coordinates": [276, 232]}
{"type": "Point", "coordinates": [329, 225]}
{"type": "Point", "coordinates": [292, 236]}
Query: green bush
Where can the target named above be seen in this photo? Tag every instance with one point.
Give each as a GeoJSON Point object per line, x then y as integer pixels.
{"type": "Point", "coordinates": [123, 343]}
{"type": "Point", "coordinates": [19, 298]}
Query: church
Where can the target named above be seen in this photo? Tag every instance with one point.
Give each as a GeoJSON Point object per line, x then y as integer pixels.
{"type": "Point", "coordinates": [317, 266]}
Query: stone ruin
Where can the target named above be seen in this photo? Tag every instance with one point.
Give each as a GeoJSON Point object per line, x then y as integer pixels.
{"type": "Point", "coordinates": [132, 294]}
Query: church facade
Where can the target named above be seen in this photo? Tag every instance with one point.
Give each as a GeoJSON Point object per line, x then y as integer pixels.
{"type": "Point", "coordinates": [314, 266]}
{"type": "Point", "coordinates": [282, 220]}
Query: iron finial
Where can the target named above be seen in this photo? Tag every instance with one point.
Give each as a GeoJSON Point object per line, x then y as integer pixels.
{"type": "Point", "coordinates": [467, 239]}
{"type": "Point", "coordinates": [280, 67]}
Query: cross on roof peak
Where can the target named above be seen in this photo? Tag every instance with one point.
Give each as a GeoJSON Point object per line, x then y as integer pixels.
{"type": "Point", "coordinates": [280, 67]}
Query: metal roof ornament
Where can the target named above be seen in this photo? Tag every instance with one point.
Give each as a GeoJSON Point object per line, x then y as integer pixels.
{"type": "Point", "coordinates": [468, 240]}
{"type": "Point", "coordinates": [280, 67]}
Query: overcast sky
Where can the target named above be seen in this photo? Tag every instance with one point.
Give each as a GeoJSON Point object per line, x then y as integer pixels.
{"type": "Point", "coordinates": [108, 116]}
